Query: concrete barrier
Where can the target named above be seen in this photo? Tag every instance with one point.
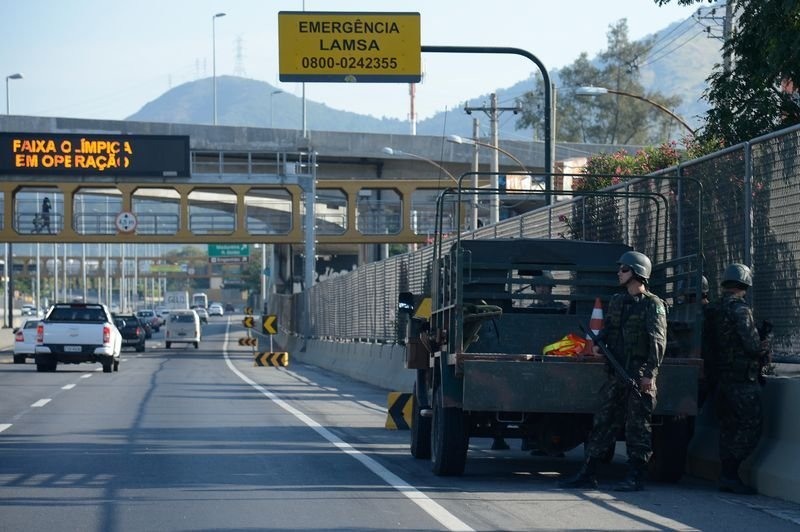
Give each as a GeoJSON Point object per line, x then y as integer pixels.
{"type": "Point", "coordinates": [774, 468]}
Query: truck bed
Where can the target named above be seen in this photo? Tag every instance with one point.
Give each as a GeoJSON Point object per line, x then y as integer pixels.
{"type": "Point", "coordinates": [498, 382]}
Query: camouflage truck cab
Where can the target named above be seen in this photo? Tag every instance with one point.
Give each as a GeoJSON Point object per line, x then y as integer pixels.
{"type": "Point", "coordinates": [477, 346]}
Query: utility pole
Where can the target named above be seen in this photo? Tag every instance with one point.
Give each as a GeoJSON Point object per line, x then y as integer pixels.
{"type": "Point", "coordinates": [726, 36]}
{"type": "Point", "coordinates": [475, 168]}
{"type": "Point", "coordinates": [493, 111]}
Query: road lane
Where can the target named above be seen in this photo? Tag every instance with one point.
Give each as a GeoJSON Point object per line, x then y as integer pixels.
{"type": "Point", "coordinates": [178, 441]}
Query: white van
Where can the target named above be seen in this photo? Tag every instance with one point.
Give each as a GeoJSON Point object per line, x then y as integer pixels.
{"type": "Point", "coordinates": [182, 326]}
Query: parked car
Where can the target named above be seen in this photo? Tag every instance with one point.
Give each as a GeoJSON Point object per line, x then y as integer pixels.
{"type": "Point", "coordinates": [215, 309]}
{"type": "Point", "coordinates": [150, 317]}
{"type": "Point", "coordinates": [132, 331]}
{"type": "Point", "coordinates": [183, 326]}
{"type": "Point", "coordinates": [25, 341]}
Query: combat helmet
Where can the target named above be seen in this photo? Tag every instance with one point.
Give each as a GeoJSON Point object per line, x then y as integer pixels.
{"type": "Point", "coordinates": [737, 273]}
{"type": "Point", "coordinates": [638, 262]}
{"type": "Point", "coordinates": [545, 279]}
{"type": "Point", "coordinates": [690, 287]}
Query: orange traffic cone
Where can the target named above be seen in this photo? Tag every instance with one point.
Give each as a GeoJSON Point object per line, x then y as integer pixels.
{"type": "Point", "coordinates": [595, 324]}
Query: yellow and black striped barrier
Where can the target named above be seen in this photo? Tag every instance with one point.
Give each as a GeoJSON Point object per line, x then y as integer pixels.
{"type": "Point", "coordinates": [277, 359]}
{"type": "Point", "coordinates": [252, 341]}
{"type": "Point", "coordinates": [399, 415]}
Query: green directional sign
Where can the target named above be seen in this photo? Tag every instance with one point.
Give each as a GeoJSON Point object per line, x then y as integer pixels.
{"type": "Point", "coordinates": [228, 252]}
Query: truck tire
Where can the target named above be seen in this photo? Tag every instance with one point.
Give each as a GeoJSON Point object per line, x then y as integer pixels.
{"type": "Point", "coordinates": [116, 364]}
{"type": "Point", "coordinates": [670, 447]}
{"type": "Point", "coordinates": [19, 359]}
{"type": "Point", "coordinates": [168, 344]}
{"type": "Point", "coordinates": [420, 429]}
{"type": "Point", "coordinates": [41, 368]}
{"type": "Point", "coordinates": [107, 366]}
{"type": "Point", "coordinates": [140, 348]}
{"type": "Point", "coordinates": [449, 438]}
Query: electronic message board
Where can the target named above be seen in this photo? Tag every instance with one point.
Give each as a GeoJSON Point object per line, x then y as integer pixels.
{"type": "Point", "coordinates": [94, 154]}
{"type": "Point", "coordinates": [351, 47]}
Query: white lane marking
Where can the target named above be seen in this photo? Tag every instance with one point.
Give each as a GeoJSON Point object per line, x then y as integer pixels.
{"type": "Point", "coordinates": [68, 386]}
{"type": "Point", "coordinates": [429, 506]}
{"type": "Point", "coordinates": [86, 376]}
{"type": "Point", "coordinates": [40, 403]}
{"type": "Point", "coordinates": [4, 426]}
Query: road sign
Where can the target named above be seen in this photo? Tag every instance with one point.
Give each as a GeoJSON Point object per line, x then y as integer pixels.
{"type": "Point", "coordinates": [248, 310]}
{"type": "Point", "coordinates": [229, 250]}
{"type": "Point", "coordinates": [248, 341]}
{"type": "Point", "coordinates": [398, 415]}
{"type": "Point", "coordinates": [248, 322]}
{"type": "Point", "coordinates": [279, 358]}
{"type": "Point", "coordinates": [351, 47]}
{"type": "Point", "coordinates": [270, 324]}
{"type": "Point", "coordinates": [126, 222]}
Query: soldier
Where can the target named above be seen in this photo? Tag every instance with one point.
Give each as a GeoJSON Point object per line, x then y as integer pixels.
{"type": "Point", "coordinates": [635, 333]}
{"type": "Point", "coordinates": [737, 349]}
{"type": "Point", "coordinates": [543, 289]}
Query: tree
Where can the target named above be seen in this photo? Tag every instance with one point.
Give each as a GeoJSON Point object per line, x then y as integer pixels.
{"type": "Point", "coordinates": [760, 92]}
{"type": "Point", "coordinates": [608, 119]}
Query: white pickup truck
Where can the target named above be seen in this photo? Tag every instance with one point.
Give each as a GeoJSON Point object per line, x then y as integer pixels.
{"type": "Point", "coordinates": [72, 333]}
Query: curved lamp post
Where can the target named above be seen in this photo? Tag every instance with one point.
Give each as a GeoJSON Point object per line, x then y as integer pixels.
{"type": "Point", "coordinates": [392, 151]}
{"type": "Point", "coordinates": [598, 91]}
{"type": "Point", "coordinates": [461, 140]}
{"type": "Point", "coordinates": [271, 94]}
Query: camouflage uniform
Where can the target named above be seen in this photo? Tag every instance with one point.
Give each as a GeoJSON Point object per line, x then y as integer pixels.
{"type": "Point", "coordinates": [635, 333]}
{"type": "Point", "coordinates": [736, 350]}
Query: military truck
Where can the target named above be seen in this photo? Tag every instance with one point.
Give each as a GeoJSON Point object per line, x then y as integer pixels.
{"type": "Point", "coordinates": [476, 342]}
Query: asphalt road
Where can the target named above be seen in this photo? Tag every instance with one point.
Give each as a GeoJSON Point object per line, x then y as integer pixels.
{"type": "Point", "coordinates": [186, 439]}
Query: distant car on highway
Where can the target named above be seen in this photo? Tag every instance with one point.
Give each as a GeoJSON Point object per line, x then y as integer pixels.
{"type": "Point", "coordinates": [215, 309]}
{"type": "Point", "coordinates": [201, 313]}
{"type": "Point", "coordinates": [132, 331]}
{"type": "Point", "coordinates": [150, 317]}
{"type": "Point", "coordinates": [25, 341]}
{"type": "Point", "coordinates": [229, 308]}
{"type": "Point", "coordinates": [29, 310]}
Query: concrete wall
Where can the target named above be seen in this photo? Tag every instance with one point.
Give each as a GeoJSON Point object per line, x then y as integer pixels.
{"type": "Point", "coordinates": [774, 469]}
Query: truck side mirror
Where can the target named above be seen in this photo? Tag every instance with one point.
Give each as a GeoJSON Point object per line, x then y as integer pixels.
{"type": "Point", "coordinates": [406, 303]}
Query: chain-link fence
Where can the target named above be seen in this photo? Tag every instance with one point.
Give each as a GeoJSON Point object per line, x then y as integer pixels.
{"type": "Point", "coordinates": [741, 204]}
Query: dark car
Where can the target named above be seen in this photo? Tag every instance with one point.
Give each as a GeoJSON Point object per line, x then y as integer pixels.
{"type": "Point", "coordinates": [229, 308]}
{"type": "Point", "coordinates": [132, 331]}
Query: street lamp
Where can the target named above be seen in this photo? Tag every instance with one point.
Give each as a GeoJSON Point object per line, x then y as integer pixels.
{"type": "Point", "coordinates": [392, 151]}
{"type": "Point", "coordinates": [12, 76]}
{"type": "Point", "coordinates": [455, 139]}
{"type": "Point", "coordinates": [273, 93]}
{"type": "Point", "coordinates": [9, 254]}
{"type": "Point", "coordinates": [214, 58]}
{"type": "Point", "coordinates": [598, 91]}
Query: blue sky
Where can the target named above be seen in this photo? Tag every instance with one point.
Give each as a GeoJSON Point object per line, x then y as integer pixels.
{"type": "Point", "coordinates": [105, 60]}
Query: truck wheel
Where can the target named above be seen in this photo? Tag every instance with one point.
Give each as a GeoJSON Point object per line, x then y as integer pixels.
{"type": "Point", "coordinates": [449, 438]}
{"type": "Point", "coordinates": [116, 365]}
{"type": "Point", "coordinates": [670, 447]}
{"type": "Point", "coordinates": [140, 348]}
{"type": "Point", "coordinates": [168, 344]}
{"type": "Point", "coordinates": [41, 368]}
{"type": "Point", "coordinates": [197, 345]}
{"type": "Point", "coordinates": [19, 359]}
{"type": "Point", "coordinates": [420, 429]}
{"type": "Point", "coordinates": [107, 367]}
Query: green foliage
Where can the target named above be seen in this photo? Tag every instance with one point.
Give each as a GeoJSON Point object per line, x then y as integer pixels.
{"type": "Point", "coordinates": [758, 94]}
{"type": "Point", "coordinates": [608, 119]}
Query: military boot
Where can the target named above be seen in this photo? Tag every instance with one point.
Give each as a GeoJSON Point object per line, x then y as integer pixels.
{"type": "Point", "coordinates": [585, 478]}
{"type": "Point", "coordinates": [729, 480]}
{"type": "Point", "coordinates": [634, 480]}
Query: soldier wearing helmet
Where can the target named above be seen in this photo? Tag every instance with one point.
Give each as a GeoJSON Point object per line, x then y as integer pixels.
{"type": "Point", "coordinates": [635, 333]}
{"type": "Point", "coordinates": [687, 291]}
{"type": "Point", "coordinates": [543, 289]}
{"type": "Point", "coordinates": [734, 342]}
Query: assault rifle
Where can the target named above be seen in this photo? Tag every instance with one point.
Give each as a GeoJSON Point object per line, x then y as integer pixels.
{"type": "Point", "coordinates": [618, 369]}
{"type": "Point", "coordinates": [765, 357]}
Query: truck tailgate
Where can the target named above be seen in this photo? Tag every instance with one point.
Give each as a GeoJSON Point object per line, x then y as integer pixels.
{"type": "Point", "coordinates": [526, 383]}
{"type": "Point", "coordinates": [63, 333]}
